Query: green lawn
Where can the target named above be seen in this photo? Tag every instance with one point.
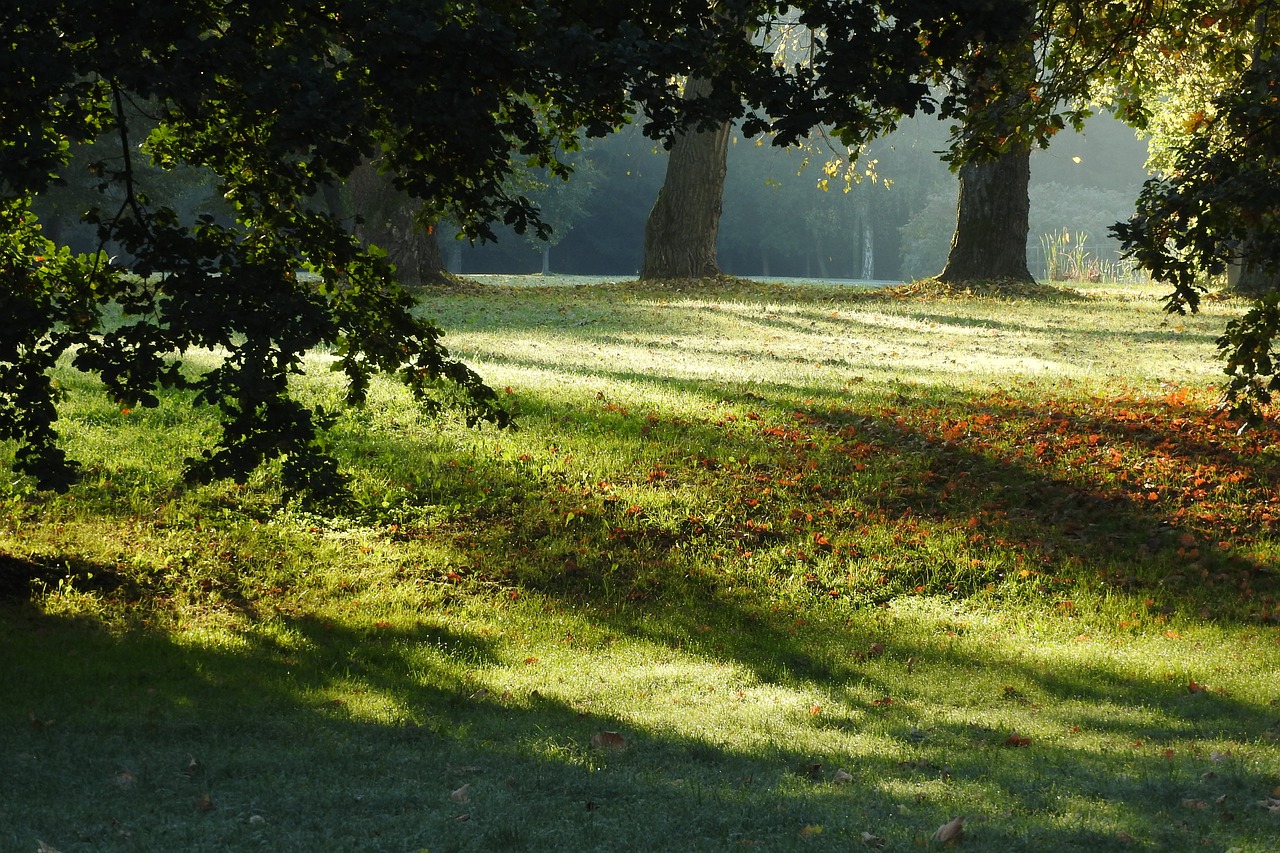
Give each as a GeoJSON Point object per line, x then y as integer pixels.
{"type": "Point", "coordinates": [763, 567]}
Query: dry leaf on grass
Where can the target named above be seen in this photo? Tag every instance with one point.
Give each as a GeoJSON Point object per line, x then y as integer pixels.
{"type": "Point", "coordinates": [41, 847]}
{"type": "Point", "coordinates": [204, 803]}
{"type": "Point", "coordinates": [950, 832]}
{"type": "Point", "coordinates": [462, 794]}
{"type": "Point", "coordinates": [842, 778]}
{"type": "Point", "coordinates": [873, 841]}
{"type": "Point", "coordinates": [608, 740]}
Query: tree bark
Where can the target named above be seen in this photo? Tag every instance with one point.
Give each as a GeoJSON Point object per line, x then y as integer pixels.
{"type": "Point", "coordinates": [1251, 279]}
{"type": "Point", "coordinates": [680, 234]}
{"type": "Point", "coordinates": [390, 221]}
{"type": "Point", "coordinates": [992, 220]}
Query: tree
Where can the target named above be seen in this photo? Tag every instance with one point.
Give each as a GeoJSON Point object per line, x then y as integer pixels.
{"type": "Point", "coordinates": [389, 219]}
{"type": "Point", "coordinates": [561, 201]}
{"type": "Point", "coordinates": [680, 234]}
{"type": "Point", "coordinates": [281, 101]}
{"type": "Point", "coordinates": [1217, 206]}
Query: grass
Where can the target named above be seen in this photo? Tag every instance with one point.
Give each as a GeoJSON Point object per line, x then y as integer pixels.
{"type": "Point", "coordinates": [765, 566]}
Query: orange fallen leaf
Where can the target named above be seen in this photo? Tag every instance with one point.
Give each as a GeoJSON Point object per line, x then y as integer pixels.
{"type": "Point", "coordinates": [608, 740]}
{"type": "Point", "coordinates": [950, 832]}
{"type": "Point", "coordinates": [1016, 739]}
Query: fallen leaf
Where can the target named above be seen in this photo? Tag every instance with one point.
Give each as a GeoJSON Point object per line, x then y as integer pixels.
{"type": "Point", "coordinates": [1125, 838]}
{"type": "Point", "coordinates": [874, 841]}
{"type": "Point", "coordinates": [1016, 739]}
{"type": "Point", "coordinates": [124, 779]}
{"type": "Point", "coordinates": [608, 740]}
{"type": "Point", "coordinates": [462, 794]}
{"type": "Point", "coordinates": [811, 771]}
{"type": "Point", "coordinates": [950, 832]}
{"type": "Point", "coordinates": [463, 818]}
{"type": "Point", "coordinates": [811, 830]}
{"type": "Point", "coordinates": [842, 777]}
{"type": "Point", "coordinates": [37, 723]}
{"type": "Point", "coordinates": [1193, 687]}
{"type": "Point", "coordinates": [204, 803]}
{"type": "Point", "coordinates": [41, 847]}
{"type": "Point", "coordinates": [1191, 803]}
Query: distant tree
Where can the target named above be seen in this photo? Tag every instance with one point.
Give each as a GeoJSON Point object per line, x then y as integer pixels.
{"type": "Point", "coordinates": [867, 63]}
{"type": "Point", "coordinates": [562, 202]}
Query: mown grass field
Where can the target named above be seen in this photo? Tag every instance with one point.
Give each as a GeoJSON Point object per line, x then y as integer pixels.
{"type": "Point", "coordinates": [764, 567]}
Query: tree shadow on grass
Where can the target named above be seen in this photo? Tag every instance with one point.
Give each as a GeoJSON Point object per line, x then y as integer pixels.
{"type": "Point", "coordinates": [293, 749]}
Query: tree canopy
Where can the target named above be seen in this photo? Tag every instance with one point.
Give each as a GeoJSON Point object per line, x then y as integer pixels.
{"type": "Point", "coordinates": [282, 100]}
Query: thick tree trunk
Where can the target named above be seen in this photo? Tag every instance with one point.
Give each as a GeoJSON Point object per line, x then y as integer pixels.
{"type": "Point", "coordinates": [680, 234]}
{"type": "Point", "coordinates": [1252, 280]}
{"type": "Point", "coordinates": [390, 221]}
{"type": "Point", "coordinates": [992, 220]}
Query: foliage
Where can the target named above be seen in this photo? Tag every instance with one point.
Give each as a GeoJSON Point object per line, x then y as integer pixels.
{"type": "Point", "coordinates": [1218, 207]}
{"type": "Point", "coordinates": [281, 101]}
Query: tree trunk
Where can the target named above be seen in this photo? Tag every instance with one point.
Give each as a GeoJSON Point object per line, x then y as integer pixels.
{"type": "Point", "coordinates": [992, 220]}
{"type": "Point", "coordinates": [680, 234]}
{"type": "Point", "coordinates": [868, 251]}
{"type": "Point", "coordinates": [1251, 280]}
{"type": "Point", "coordinates": [390, 221]}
